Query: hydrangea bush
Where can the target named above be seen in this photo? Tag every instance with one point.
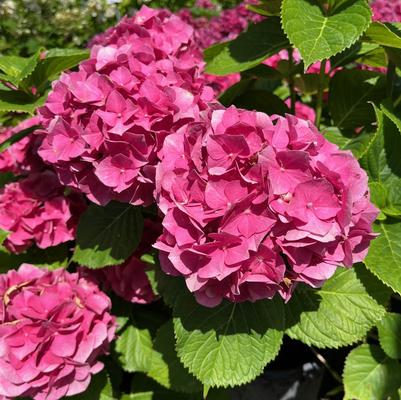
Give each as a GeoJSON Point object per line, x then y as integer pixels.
{"type": "Point", "coordinates": [196, 186]}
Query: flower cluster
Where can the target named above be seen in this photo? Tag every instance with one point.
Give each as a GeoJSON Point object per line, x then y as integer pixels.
{"type": "Point", "coordinates": [34, 210]}
{"type": "Point", "coordinates": [254, 204]}
{"type": "Point", "coordinates": [53, 327]}
{"type": "Point", "coordinates": [302, 110]}
{"type": "Point", "coordinates": [21, 157]}
{"type": "Point", "coordinates": [129, 280]}
{"type": "Point", "coordinates": [386, 10]}
{"type": "Point", "coordinates": [106, 123]}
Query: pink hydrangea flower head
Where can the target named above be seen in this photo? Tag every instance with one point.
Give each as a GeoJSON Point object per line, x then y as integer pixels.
{"type": "Point", "coordinates": [129, 280]}
{"type": "Point", "coordinates": [386, 10]}
{"type": "Point", "coordinates": [34, 210]}
{"type": "Point", "coordinates": [21, 157]}
{"type": "Point", "coordinates": [255, 204]}
{"type": "Point", "coordinates": [106, 123]}
{"type": "Point", "coordinates": [54, 326]}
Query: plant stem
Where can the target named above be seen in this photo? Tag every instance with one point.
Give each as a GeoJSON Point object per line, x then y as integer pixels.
{"type": "Point", "coordinates": [319, 104]}
{"type": "Point", "coordinates": [291, 81]}
{"type": "Point", "coordinates": [326, 365]}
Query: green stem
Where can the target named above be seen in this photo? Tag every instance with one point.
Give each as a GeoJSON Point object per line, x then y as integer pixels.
{"type": "Point", "coordinates": [319, 104]}
{"type": "Point", "coordinates": [291, 81]}
{"type": "Point", "coordinates": [327, 366]}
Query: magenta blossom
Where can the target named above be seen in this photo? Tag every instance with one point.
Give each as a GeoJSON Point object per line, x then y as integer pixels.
{"type": "Point", "coordinates": [129, 280]}
{"type": "Point", "coordinates": [386, 10]}
{"type": "Point", "coordinates": [255, 204]}
{"type": "Point", "coordinates": [21, 157]}
{"type": "Point", "coordinates": [54, 326]}
{"type": "Point", "coordinates": [106, 123]}
{"type": "Point", "coordinates": [35, 211]}
{"type": "Point", "coordinates": [302, 110]}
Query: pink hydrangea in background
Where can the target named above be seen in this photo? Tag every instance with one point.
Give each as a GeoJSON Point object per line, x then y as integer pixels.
{"type": "Point", "coordinates": [129, 280]}
{"type": "Point", "coordinates": [21, 157]}
{"type": "Point", "coordinates": [34, 210]}
{"type": "Point", "coordinates": [255, 204]}
{"type": "Point", "coordinates": [53, 327]}
{"type": "Point", "coordinates": [386, 10]}
{"type": "Point", "coordinates": [106, 123]}
{"type": "Point", "coordinates": [302, 110]}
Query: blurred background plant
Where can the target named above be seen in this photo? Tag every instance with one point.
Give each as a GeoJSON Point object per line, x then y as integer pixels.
{"type": "Point", "coordinates": [69, 23]}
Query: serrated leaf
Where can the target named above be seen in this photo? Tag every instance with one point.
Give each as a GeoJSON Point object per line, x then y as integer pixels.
{"type": "Point", "coordinates": [135, 349]}
{"type": "Point", "coordinates": [18, 67]}
{"type": "Point", "coordinates": [319, 36]}
{"type": "Point", "coordinates": [334, 135]}
{"type": "Point", "coordinates": [170, 372]}
{"type": "Point", "coordinates": [384, 256]}
{"type": "Point", "coordinates": [18, 101]}
{"type": "Point", "coordinates": [249, 49]}
{"type": "Point", "coordinates": [390, 335]}
{"type": "Point", "coordinates": [338, 314]}
{"type": "Point", "coordinates": [230, 344]}
{"type": "Point", "coordinates": [369, 374]}
{"type": "Point", "coordinates": [55, 62]}
{"type": "Point", "coordinates": [107, 235]}
{"type": "Point", "coordinates": [385, 34]}
{"type": "Point", "coordinates": [350, 94]}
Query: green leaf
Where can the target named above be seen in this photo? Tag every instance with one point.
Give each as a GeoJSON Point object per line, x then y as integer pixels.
{"type": "Point", "coordinates": [318, 36]}
{"type": "Point", "coordinates": [267, 8]}
{"type": "Point", "coordinates": [249, 49]}
{"type": "Point", "coordinates": [350, 94]}
{"type": "Point", "coordinates": [18, 68]}
{"type": "Point", "coordinates": [108, 235]}
{"type": "Point", "coordinates": [50, 258]}
{"type": "Point", "coordinates": [334, 135]}
{"type": "Point", "coordinates": [384, 34]}
{"type": "Point", "coordinates": [55, 62]}
{"type": "Point", "coordinates": [18, 101]}
{"type": "Point", "coordinates": [369, 374]}
{"type": "Point", "coordinates": [17, 137]}
{"type": "Point", "coordinates": [170, 372]}
{"type": "Point", "coordinates": [99, 389]}
{"type": "Point", "coordinates": [230, 344]}
{"type": "Point", "coordinates": [135, 349]}
{"type": "Point", "coordinates": [384, 256]}
{"type": "Point", "coordinates": [390, 334]}
{"type": "Point", "coordinates": [338, 314]}
{"type": "Point", "coordinates": [138, 396]}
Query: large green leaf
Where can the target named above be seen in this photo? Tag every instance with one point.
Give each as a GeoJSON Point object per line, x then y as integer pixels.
{"type": "Point", "coordinates": [135, 349]}
{"type": "Point", "coordinates": [249, 49]}
{"type": "Point", "coordinates": [169, 372]}
{"type": "Point", "coordinates": [384, 34]}
{"type": "Point", "coordinates": [18, 68]}
{"type": "Point", "coordinates": [230, 344]}
{"type": "Point", "coordinates": [369, 374]}
{"type": "Point", "coordinates": [390, 335]}
{"type": "Point", "coordinates": [319, 36]}
{"type": "Point", "coordinates": [350, 94]}
{"type": "Point", "coordinates": [384, 257]}
{"type": "Point", "coordinates": [338, 314]}
{"type": "Point", "coordinates": [55, 62]}
{"type": "Point", "coordinates": [18, 101]}
{"type": "Point", "coordinates": [107, 235]}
